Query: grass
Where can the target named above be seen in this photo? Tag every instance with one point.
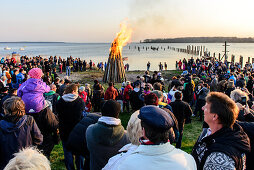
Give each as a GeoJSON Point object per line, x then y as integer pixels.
{"type": "Point", "coordinates": [190, 135]}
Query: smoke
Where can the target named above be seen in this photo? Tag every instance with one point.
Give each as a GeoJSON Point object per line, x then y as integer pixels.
{"type": "Point", "coordinates": [148, 18]}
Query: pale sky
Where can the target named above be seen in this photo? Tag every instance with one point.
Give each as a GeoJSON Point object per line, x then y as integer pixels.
{"type": "Point", "coordinates": [98, 20]}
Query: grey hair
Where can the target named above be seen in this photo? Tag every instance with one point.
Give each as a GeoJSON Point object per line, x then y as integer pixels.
{"type": "Point", "coordinates": [28, 159]}
{"type": "Point", "coordinates": [237, 95]}
{"type": "Point", "coordinates": [134, 129]}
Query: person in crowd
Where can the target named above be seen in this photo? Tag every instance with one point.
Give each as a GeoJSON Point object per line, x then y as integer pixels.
{"type": "Point", "coordinates": [155, 152]}
{"type": "Point", "coordinates": [31, 91]}
{"type": "Point", "coordinates": [52, 97]}
{"type": "Point", "coordinates": [3, 93]}
{"type": "Point", "coordinates": [8, 76]}
{"type": "Point", "coordinates": [2, 82]}
{"type": "Point", "coordinates": [134, 133]}
{"type": "Point", "coordinates": [161, 98]}
{"type": "Point", "coordinates": [241, 99]}
{"type": "Point", "coordinates": [152, 99]}
{"type": "Point", "coordinates": [88, 91]}
{"type": "Point", "coordinates": [17, 130]}
{"type": "Point", "coordinates": [106, 137]}
{"type": "Point", "coordinates": [20, 77]}
{"type": "Point", "coordinates": [249, 85]}
{"type": "Point", "coordinates": [172, 92]}
{"type": "Point", "coordinates": [240, 82]}
{"type": "Point", "coordinates": [126, 95]}
{"type": "Point", "coordinates": [28, 158]}
{"type": "Point", "coordinates": [111, 92]}
{"type": "Point", "coordinates": [12, 92]}
{"type": "Point", "coordinates": [82, 93]}
{"type": "Point", "coordinates": [188, 90]}
{"type": "Point", "coordinates": [98, 95]}
{"type": "Point", "coordinates": [230, 87]}
{"type": "Point", "coordinates": [77, 138]}
{"type": "Point", "coordinates": [63, 86]}
{"type": "Point", "coordinates": [203, 90]}
{"type": "Point", "coordinates": [70, 102]}
{"type": "Point", "coordinates": [223, 143]}
{"type": "Point", "coordinates": [182, 112]}
{"type": "Point", "coordinates": [136, 100]}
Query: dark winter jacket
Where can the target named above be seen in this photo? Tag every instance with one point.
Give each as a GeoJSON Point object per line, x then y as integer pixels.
{"type": "Point", "coordinates": [181, 110]}
{"type": "Point", "coordinates": [48, 124]}
{"type": "Point", "coordinates": [232, 142]}
{"type": "Point", "coordinates": [135, 99]}
{"type": "Point", "coordinates": [103, 142]}
{"type": "Point", "coordinates": [77, 138]}
{"type": "Point", "coordinates": [14, 137]}
{"type": "Point", "coordinates": [69, 109]}
{"type": "Point", "coordinates": [248, 128]}
{"type": "Point", "coordinates": [240, 83]}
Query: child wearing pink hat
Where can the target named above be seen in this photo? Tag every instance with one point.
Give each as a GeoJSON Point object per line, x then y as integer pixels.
{"type": "Point", "coordinates": [31, 91]}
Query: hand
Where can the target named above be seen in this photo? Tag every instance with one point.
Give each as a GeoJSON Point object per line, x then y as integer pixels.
{"type": "Point", "coordinates": [246, 110]}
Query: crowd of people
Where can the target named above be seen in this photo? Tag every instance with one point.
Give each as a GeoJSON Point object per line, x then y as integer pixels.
{"type": "Point", "coordinates": [38, 109]}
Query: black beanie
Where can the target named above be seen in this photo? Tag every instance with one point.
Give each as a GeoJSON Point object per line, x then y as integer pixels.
{"type": "Point", "coordinates": [111, 108]}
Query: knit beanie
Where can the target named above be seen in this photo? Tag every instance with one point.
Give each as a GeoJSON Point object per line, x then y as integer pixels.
{"type": "Point", "coordinates": [111, 108]}
{"type": "Point", "coordinates": [35, 73]}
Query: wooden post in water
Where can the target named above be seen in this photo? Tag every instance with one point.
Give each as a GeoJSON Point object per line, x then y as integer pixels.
{"type": "Point", "coordinates": [233, 59]}
{"type": "Point", "coordinates": [241, 61]}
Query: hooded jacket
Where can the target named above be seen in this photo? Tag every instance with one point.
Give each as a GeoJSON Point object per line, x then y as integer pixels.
{"type": "Point", "coordinates": [103, 142]}
{"type": "Point", "coordinates": [69, 109]}
{"type": "Point", "coordinates": [111, 93]}
{"type": "Point", "coordinates": [31, 92]}
{"type": "Point", "coordinates": [14, 137]}
{"type": "Point", "coordinates": [231, 142]}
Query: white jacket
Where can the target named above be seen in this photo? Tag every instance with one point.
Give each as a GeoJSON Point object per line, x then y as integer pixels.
{"type": "Point", "coordinates": [158, 157]}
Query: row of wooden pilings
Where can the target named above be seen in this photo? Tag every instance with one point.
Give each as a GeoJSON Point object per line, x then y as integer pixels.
{"type": "Point", "coordinates": [202, 51]}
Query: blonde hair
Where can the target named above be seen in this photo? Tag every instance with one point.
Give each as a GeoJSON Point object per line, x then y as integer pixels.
{"type": "Point", "coordinates": [237, 95]}
{"type": "Point", "coordinates": [28, 159]}
{"type": "Point", "coordinates": [134, 129]}
{"type": "Point", "coordinates": [14, 106]}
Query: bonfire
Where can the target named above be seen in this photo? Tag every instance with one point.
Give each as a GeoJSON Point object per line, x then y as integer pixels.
{"type": "Point", "coordinates": [115, 69]}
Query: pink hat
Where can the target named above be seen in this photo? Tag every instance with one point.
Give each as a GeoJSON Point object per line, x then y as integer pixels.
{"type": "Point", "coordinates": [35, 73]}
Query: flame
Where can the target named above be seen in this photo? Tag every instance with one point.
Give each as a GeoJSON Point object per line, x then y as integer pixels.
{"type": "Point", "coordinates": [122, 38]}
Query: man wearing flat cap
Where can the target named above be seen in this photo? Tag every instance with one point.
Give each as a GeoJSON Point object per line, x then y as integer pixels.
{"type": "Point", "coordinates": [155, 151]}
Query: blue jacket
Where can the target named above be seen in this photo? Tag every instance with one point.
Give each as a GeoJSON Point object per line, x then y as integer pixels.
{"type": "Point", "coordinates": [233, 78]}
{"type": "Point", "coordinates": [14, 137]}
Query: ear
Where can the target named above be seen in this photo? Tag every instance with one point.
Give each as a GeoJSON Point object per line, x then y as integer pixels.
{"type": "Point", "coordinates": [215, 117]}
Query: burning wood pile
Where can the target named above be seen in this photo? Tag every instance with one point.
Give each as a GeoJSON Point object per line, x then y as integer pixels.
{"type": "Point", "coordinates": [115, 69]}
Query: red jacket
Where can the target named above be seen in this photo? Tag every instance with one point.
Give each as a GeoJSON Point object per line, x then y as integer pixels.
{"type": "Point", "coordinates": [111, 93]}
{"type": "Point", "coordinates": [126, 92]}
{"type": "Point", "coordinates": [83, 95]}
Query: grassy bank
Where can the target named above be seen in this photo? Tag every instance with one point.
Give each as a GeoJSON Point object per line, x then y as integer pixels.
{"type": "Point", "coordinates": [191, 131]}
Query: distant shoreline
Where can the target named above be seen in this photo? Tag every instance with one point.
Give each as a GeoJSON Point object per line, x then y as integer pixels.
{"type": "Point", "coordinates": [200, 40]}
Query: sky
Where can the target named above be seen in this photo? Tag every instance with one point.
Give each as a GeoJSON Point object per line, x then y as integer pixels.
{"type": "Point", "coordinates": [99, 20]}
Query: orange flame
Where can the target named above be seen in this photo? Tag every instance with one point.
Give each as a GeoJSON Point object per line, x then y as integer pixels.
{"type": "Point", "coordinates": [122, 38]}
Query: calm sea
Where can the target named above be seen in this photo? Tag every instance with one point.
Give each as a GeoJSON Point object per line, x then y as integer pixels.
{"type": "Point", "coordinates": [136, 59]}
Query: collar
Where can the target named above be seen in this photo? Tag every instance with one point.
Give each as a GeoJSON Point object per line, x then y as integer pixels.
{"type": "Point", "coordinates": [109, 120]}
{"type": "Point", "coordinates": [160, 149]}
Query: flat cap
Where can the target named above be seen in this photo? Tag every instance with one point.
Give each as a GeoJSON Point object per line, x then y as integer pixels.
{"type": "Point", "coordinates": [156, 117]}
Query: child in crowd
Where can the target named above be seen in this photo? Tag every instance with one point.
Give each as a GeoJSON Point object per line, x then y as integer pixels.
{"type": "Point", "coordinates": [31, 91]}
